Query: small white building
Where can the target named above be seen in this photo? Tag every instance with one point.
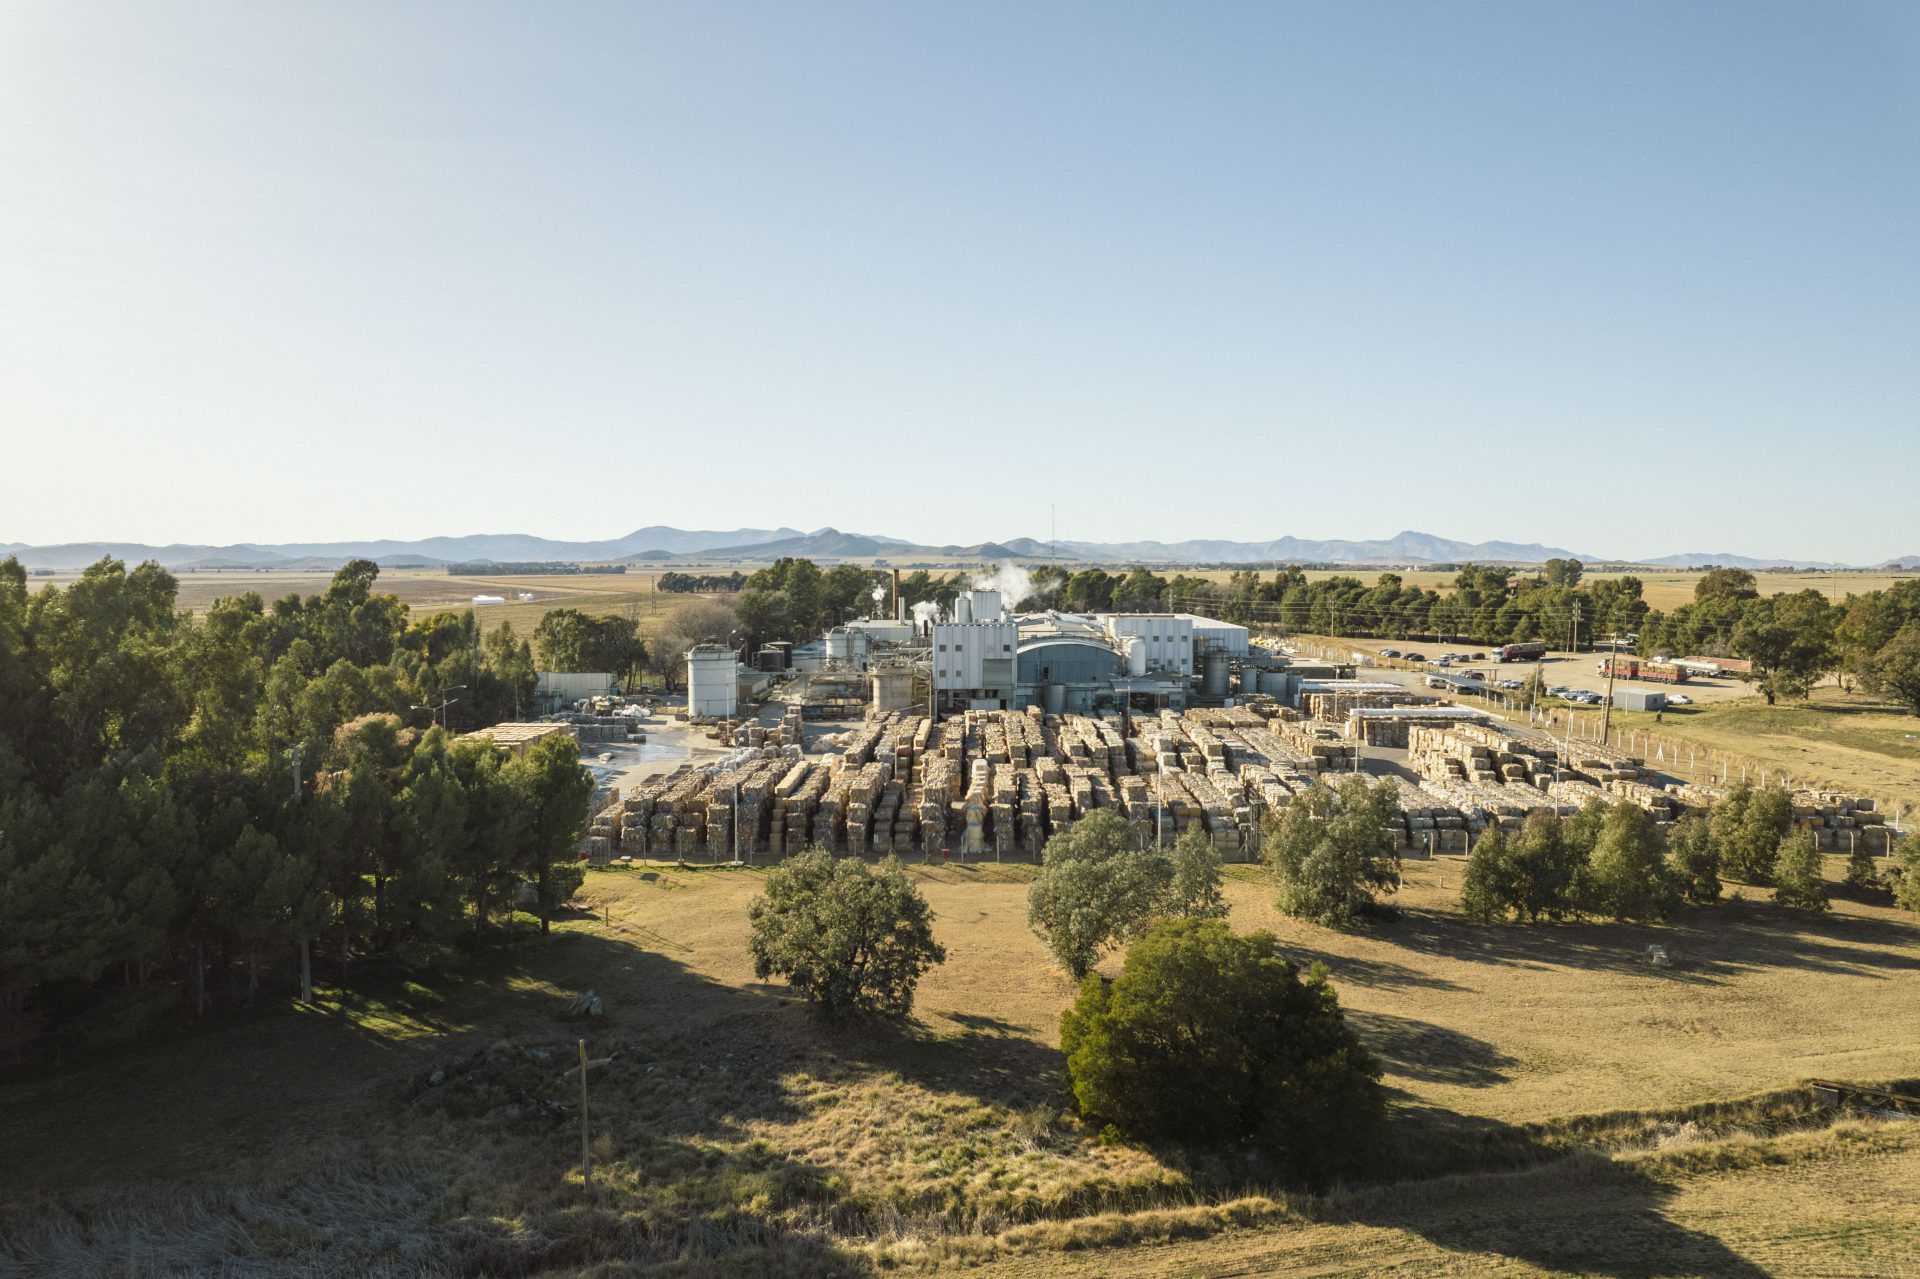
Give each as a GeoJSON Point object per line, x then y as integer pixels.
{"type": "Point", "coordinates": [571, 686]}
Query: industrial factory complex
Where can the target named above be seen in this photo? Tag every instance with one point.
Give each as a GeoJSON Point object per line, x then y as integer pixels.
{"type": "Point", "coordinates": [979, 656]}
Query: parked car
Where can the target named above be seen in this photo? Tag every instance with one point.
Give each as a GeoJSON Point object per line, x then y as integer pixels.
{"type": "Point", "coordinates": [1416, 657]}
{"type": "Point", "coordinates": [1679, 699]}
{"type": "Point", "coordinates": [1511, 683]}
{"type": "Point", "coordinates": [1479, 657]}
{"type": "Point", "coordinates": [1445, 661]}
{"type": "Point", "coordinates": [1389, 652]}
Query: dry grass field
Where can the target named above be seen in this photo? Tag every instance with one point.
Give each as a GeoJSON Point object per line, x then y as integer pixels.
{"type": "Point", "coordinates": [427, 591]}
{"type": "Point", "coordinates": [736, 1134]}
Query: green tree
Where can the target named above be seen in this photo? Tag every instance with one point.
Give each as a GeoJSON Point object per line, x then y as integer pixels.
{"type": "Point", "coordinates": [1895, 667]}
{"type": "Point", "coordinates": [1546, 868]}
{"type": "Point", "coordinates": [849, 938]}
{"type": "Point", "coordinates": [1564, 572]}
{"type": "Point", "coordinates": [553, 792]}
{"type": "Point", "coordinates": [1628, 877]}
{"type": "Point", "coordinates": [1862, 875]}
{"type": "Point", "coordinates": [1696, 862]}
{"type": "Point", "coordinates": [1489, 888]}
{"type": "Point", "coordinates": [1798, 881]}
{"type": "Point", "coordinates": [1096, 889]}
{"type": "Point", "coordinates": [1725, 584]}
{"type": "Point", "coordinates": [1746, 826]}
{"type": "Point", "coordinates": [1197, 876]}
{"type": "Point", "coordinates": [1905, 879]}
{"type": "Point", "coordinates": [1208, 1037]}
{"type": "Point", "coordinates": [1332, 850]}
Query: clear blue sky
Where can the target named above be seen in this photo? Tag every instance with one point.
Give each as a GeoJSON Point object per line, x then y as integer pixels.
{"type": "Point", "coordinates": [1630, 279]}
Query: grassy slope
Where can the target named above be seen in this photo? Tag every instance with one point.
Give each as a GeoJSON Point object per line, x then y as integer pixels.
{"type": "Point", "coordinates": [731, 1120]}
{"type": "Point", "coordinates": [1847, 740]}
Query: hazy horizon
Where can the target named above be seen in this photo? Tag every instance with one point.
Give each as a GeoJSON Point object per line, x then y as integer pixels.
{"type": "Point", "coordinates": [1631, 280]}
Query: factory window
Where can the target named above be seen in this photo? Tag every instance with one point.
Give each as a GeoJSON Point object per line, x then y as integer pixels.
{"type": "Point", "coordinates": [1006, 648]}
{"type": "Point", "coordinates": [943, 648]}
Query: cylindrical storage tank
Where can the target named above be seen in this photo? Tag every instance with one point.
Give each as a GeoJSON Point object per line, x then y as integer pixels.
{"type": "Point", "coordinates": [1056, 699]}
{"type": "Point", "coordinates": [785, 649]}
{"type": "Point", "coordinates": [1275, 683]}
{"type": "Point", "coordinates": [839, 647]}
{"type": "Point", "coordinates": [1136, 650]}
{"type": "Point", "coordinates": [963, 607]}
{"type": "Point", "coordinates": [1214, 682]}
{"type": "Point", "coordinates": [1249, 680]}
{"type": "Point", "coordinates": [712, 685]}
{"type": "Point", "coordinates": [859, 645]}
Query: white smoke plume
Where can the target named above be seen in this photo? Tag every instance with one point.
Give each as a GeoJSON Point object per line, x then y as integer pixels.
{"type": "Point", "coordinates": [925, 611]}
{"type": "Point", "coordinates": [1015, 585]}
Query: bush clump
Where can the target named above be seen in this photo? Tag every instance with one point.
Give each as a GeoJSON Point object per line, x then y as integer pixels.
{"type": "Point", "coordinates": [1209, 1037]}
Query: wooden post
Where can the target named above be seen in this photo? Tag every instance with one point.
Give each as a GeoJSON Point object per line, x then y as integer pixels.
{"type": "Point", "coordinates": [586, 1151]}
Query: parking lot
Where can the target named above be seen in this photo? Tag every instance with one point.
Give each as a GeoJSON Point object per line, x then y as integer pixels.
{"type": "Point", "coordinates": [1578, 671]}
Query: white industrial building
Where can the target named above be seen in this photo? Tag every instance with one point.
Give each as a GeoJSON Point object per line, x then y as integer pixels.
{"type": "Point", "coordinates": [973, 664]}
{"type": "Point", "coordinates": [1157, 643]}
{"type": "Point", "coordinates": [571, 686]}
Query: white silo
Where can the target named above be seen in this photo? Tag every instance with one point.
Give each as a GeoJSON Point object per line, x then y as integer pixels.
{"type": "Point", "coordinates": [713, 685]}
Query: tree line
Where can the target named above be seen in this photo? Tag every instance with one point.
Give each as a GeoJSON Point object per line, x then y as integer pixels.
{"type": "Point", "coordinates": [193, 807]}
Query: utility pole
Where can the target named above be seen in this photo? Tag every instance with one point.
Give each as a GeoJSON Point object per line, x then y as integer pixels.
{"type": "Point", "coordinates": [1613, 664]}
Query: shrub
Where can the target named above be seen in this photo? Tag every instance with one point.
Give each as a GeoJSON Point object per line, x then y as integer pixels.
{"type": "Point", "coordinates": [1331, 850]}
{"type": "Point", "coordinates": [1696, 862]}
{"type": "Point", "coordinates": [1746, 826]}
{"type": "Point", "coordinates": [1209, 1037]}
{"type": "Point", "coordinates": [1906, 875]}
{"type": "Point", "coordinates": [1197, 874]}
{"type": "Point", "coordinates": [1862, 875]}
{"type": "Point", "coordinates": [1628, 876]}
{"type": "Point", "coordinates": [1489, 890]}
{"type": "Point", "coordinates": [1547, 868]}
{"type": "Point", "coordinates": [849, 938]}
{"type": "Point", "coordinates": [1797, 879]}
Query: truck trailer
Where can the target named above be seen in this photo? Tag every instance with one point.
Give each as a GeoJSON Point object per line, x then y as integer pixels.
{"type": "Point", "coordinates": [1641, 668]}
{"type": "Point", "coordinates": [1529, 652]}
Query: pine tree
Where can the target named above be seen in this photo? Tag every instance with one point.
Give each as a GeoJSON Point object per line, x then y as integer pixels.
{"type": "Point", "coordinates": [1797, 877]}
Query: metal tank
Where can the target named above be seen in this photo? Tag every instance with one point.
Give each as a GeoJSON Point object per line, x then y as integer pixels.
{"type": "Point", "coordinates": [1213, 682]}
{"type": "Point", "coordinates": [839, 647]}
{"type": "Point", "coordinates": [1056, 699]}
{"type": "Point", "coordinates": [713, 687]}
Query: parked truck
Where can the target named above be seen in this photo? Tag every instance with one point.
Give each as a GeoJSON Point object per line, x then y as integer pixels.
{"type": "Point", "coordinates": [1641, 668]}
{"type": "Point", "coordinates": [1532, 651]}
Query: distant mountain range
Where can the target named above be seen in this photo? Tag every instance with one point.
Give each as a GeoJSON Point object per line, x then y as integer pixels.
{"type": "Point", "coordinates": [659, 544]}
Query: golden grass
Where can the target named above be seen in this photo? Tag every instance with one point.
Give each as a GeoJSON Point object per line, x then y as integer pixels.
{"type": "Point", "coordinates": [735, 1130]}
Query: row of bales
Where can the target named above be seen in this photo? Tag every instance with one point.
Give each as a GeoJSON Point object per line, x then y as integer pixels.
{"type": "Point", "coordinates": [1001, 783]}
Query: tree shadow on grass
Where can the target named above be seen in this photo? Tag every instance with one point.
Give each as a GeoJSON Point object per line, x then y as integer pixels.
{"type": "Point", "coordinates": [1432, 1054]}
{"type": "Point", "coordinates": [1382, 974]}
{"type": "Point", "coordinates": [1707, 945]}
{"type": "Point", "coordinates": [1478, 1186]}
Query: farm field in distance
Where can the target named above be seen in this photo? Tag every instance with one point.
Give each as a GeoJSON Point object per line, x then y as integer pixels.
{"type": "Point", "coordinates": [821, 1151]}
{"type": "Point", "coordinates": [428, 591]}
